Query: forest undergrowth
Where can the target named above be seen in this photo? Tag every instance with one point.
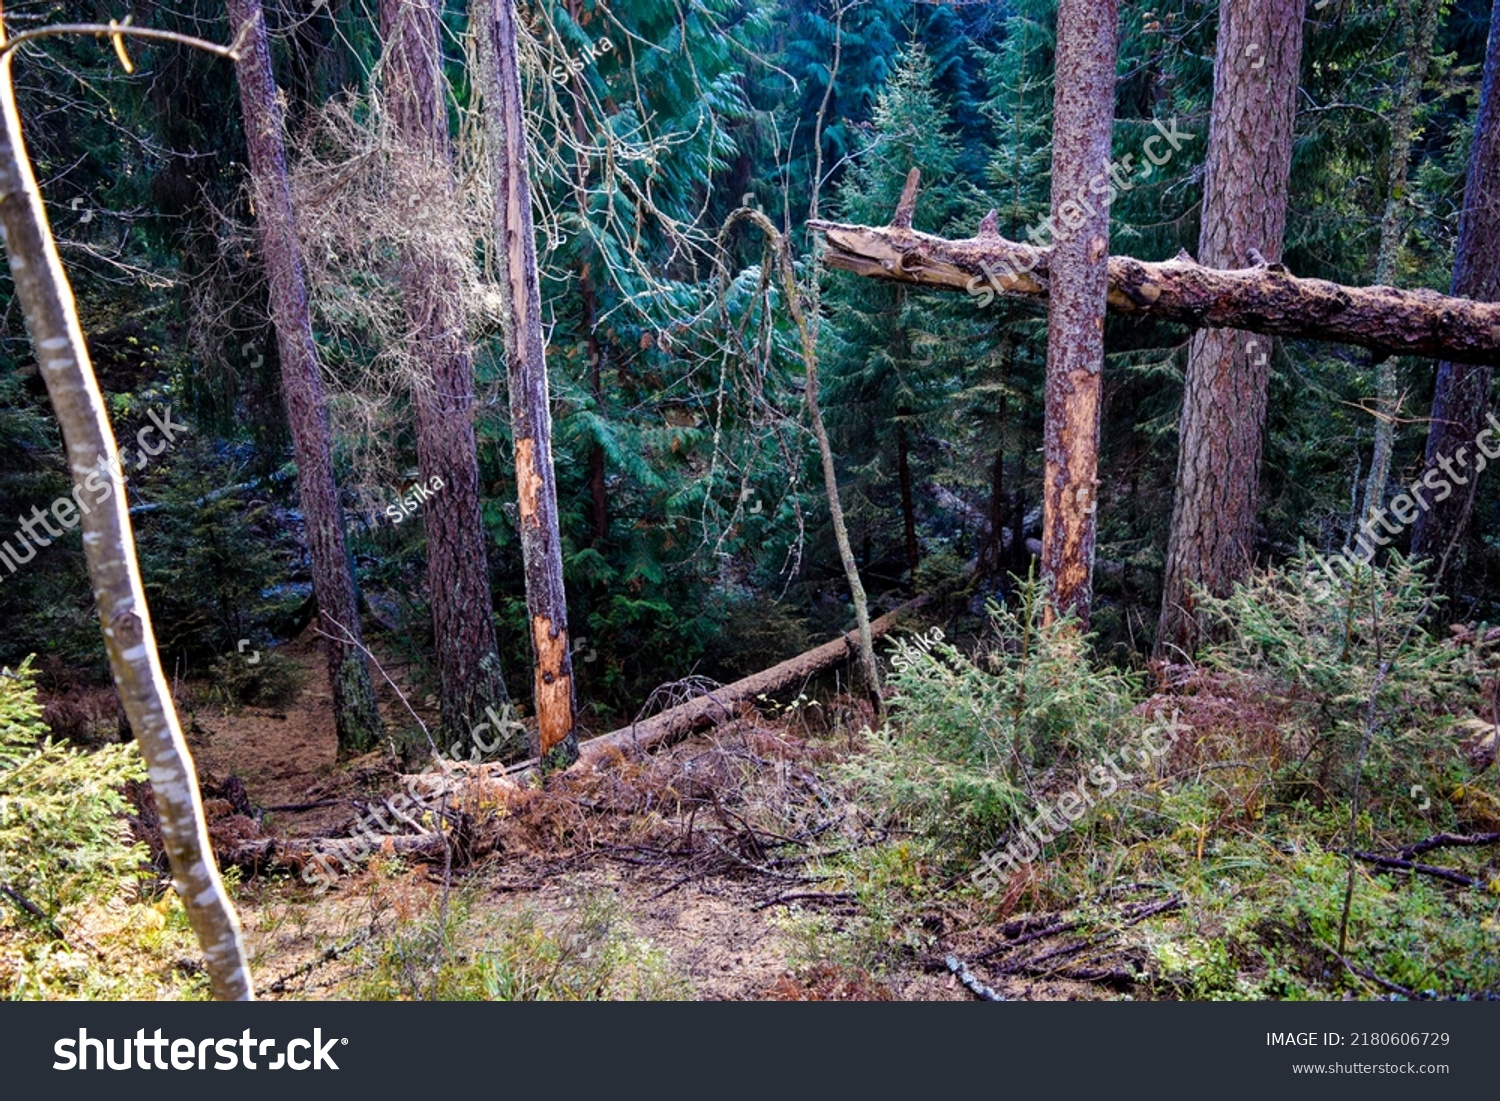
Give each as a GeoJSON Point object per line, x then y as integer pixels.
{"type": "Point", "coordinates": [1321, 821]}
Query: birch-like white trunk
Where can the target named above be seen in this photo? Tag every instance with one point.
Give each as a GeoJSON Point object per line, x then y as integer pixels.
{"type": "Point", "coordinates": [47, 303]}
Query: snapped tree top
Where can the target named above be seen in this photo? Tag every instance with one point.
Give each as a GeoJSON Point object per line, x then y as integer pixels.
{"type": "Point", "coordinates": [1264, 298]}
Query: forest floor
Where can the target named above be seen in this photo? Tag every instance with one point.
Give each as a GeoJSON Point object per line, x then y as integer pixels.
{"type": "Point", "coordinates": [755, 862]}
{"type": "Point", "coordinates": [706, 871]}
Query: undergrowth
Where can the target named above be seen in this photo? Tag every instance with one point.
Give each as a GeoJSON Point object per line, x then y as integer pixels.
{"type": "Point", "coordinates": [458, 950]}
{"type": "Point", "coordinates": [1246, 819]}
{"type": "Point", "coordinates": [80, 915]}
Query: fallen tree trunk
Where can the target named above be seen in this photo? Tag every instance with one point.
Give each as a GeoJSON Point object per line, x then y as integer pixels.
{"type": "Point", "coordinates": [719, 706]}
{"type": "Point", "coordinates": [1265, 298]}
{"type": "Point", "coordinates": [295, 853]}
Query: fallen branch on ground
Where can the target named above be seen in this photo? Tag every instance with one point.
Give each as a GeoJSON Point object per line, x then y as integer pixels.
{"type": "Point", "coordinates": [1421, 869]}
{"type": "Point", "coordinates": [967, 977]}
{"type": "Point", "coordinates": [1448, 840]}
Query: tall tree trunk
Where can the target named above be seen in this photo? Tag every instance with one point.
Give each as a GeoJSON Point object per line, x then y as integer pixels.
{"type": "Point", "coordinates": [530, 404]}
{"type": "Point", "coordinates": [1083, 109]}
{"type": "Point", "coordinates": [1420, 19]}
{"type": "Point", "coordinates": [355, 713]}
{"type": "Point", "coordinates": [469, 669]}
{"type": "Point", "coordinates": [1463, 391]}
{"type": "Point", "coordinates": [46, 301]}
{"type": "Point", "coordinates": [1212, 541]}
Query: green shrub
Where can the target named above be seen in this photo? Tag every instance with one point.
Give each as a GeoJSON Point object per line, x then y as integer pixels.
{"type": "Point", "coordinates": [972, 739]}
{"type": "Point", "coordinates": [1346, 660]}
{"type": "Point", "coordinates": [62, 838]}
{"type": "Point", "coordinates": [75, 919]}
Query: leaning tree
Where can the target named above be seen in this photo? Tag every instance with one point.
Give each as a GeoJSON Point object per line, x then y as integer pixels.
{"type": "Point", "coordinates": [46, 300]}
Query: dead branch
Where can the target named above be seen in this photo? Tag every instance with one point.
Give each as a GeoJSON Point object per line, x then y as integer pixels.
{"type": "Point", "coordinates": [1449, 840]}
{"type": "Point", "coordinates": [1421, 869]}
{"type": "Point", "coordinates": [967, 977]}
{"type": "Point", "coordinates": [1264, 298]}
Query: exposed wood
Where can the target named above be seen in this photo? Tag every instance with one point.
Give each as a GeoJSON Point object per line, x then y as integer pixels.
{"type": "Point", "coordinates": [530, 401]}
{"type": "Point", "coordinates": [1088, 35]}
{"type": "Point", "coordinates": [1265, 298]}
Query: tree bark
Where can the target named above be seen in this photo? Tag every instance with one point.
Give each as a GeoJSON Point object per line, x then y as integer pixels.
{"type": "Point", "coordinates": [1083, 107]}
{"type": "Point", "coordinates": [46, 301]}
{"type": "Point", "coordinates": [1220, 437]}
{"type": "Point", "coordinates": [530, 403]}
{"type": "Point", "coordinates": [1264, 299]}
{"type": "Point", "coordinates": [355, 714]}
{"type": "Point", "coordinates": [1463, 390]}
{"type": "Point", "coordinates": [469, 668]}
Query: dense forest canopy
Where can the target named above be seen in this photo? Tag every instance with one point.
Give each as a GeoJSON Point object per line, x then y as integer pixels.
{"type": "Point", "coordinates": [707, 548]}
{"type": "Point", "coordinates": [506, 362]}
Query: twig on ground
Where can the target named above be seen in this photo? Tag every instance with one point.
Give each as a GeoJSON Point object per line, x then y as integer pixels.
{"type": "Point", "coordinates": [1027, 938]}
{"type": "Point", "coordinates": [968, 978]}
{"type": "Point", "coordinates": [1449, 840]}
{"type": "Point", "coordinates": [328, 956]}
{"type": "Point", "coordinates": [33, 909]}
{"type": "Point", "coordinates": [1366, 973]}
{"type": "Point", "coordinates": [1397, 863]}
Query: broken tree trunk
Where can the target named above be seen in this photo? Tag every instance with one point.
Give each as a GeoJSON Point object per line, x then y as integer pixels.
{"type": "Point", "coordinates": [1264, 299]}
{"type": "Point", "coordinates": [526, 363]}
{"type": "Point", "coordinates": [709, 710]}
